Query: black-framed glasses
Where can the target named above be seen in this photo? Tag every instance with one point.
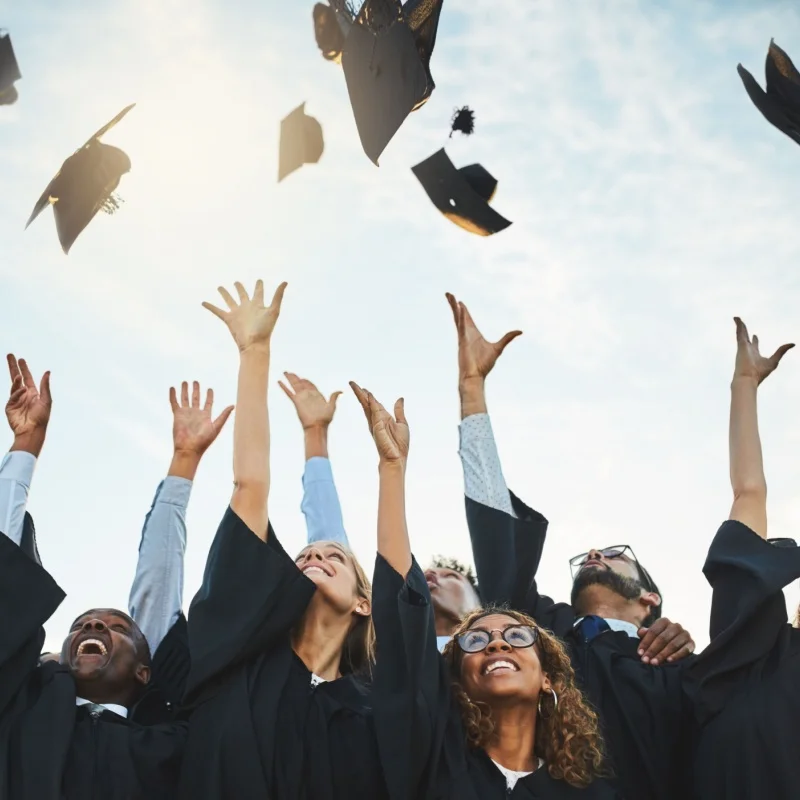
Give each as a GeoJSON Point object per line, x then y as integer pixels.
{"type": "Point", "coordinates": [616, 551]}
{"type": "Point", "coordinates": [783, 541]}
{"type": "Point", "coordinates": [476, 640]}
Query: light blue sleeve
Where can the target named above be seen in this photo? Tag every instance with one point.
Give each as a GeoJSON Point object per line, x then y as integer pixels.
{"type": "Point", "coordinates": [156, 596]}
{"type": "Point", "coordinates": [16, 474]}
{"type": "Point", "coordinates": [320, 504]}
{"type": "Point", "coordinates": [483, 474]}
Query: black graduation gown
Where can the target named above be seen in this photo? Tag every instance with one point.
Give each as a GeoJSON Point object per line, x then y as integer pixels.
{"type": "Point", "coordinates": [422, 743]}
{"type": "Point", "coordinates": [645, 716]}
{"type": "Point", "coordinates": [259, 730]}
{"type": "Point", "coordinates": [49, 748]}
{"type": "Point", "coordinates": [746, 683]}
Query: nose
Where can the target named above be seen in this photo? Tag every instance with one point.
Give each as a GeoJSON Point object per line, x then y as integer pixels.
{"type": "Point", "coordinates": [312, 554]}
{"type": "Point", "coordinates": [595, 555]}
{"type": "Point", "coordinates": [94, 625]}
{"type": "Point", "coordinates": [430, 575]}
{"type": "Point", "coordinates": [498, 644]}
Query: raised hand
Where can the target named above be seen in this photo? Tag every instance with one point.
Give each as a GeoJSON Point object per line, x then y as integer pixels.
{"type": "Point", "coordinates": [391, 434]}
{"type": "Point", "coordinates": [313, 410]}
{"type": "Point", "coordinates": [476, 356]}
{"type": "Point", "coordinates": [28, 408]}
{"type": "Point", "coordinates": [250, 322]}
{"type": "Point", "coordinates": [193, 429]}
{"type": "Point", "coordinates": [750, 363]}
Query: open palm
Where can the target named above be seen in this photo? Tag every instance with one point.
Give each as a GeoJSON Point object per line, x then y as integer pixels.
{"type": "Point", "coordinates": [749, 361]}
{"type": "Point", "coordinates": [476, 355]}
{"type": "Point", "coordinates": [391, 433]}
{"type": "Point", "coordinates": [193, 427]}
{"type": "Point", "coordinates": [28, 407]}
{"type": "Point", "coordinates": [313, 410]}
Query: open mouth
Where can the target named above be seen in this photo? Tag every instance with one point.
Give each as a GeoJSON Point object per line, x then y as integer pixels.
{"type": "Point", "coordinates": [313, 569]}
{"type": "Point", "coordinates": [594, 563]}
{"type": "Point", "coordinates": [92, 649]}
{"type": "Point", "coordinates": [500, 667]}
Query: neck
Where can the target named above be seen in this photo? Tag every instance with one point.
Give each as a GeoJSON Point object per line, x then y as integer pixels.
{"type": "Point", "coordinates": [95, 694]}
{"type": "Point", "coordinates": [319, 638]}
{"type": "Point", "coordinates": [603, 602]}
{"type": "Point", "coordinates": [445, 623]}
{"type": "Point", "coordinates": [514, 737]}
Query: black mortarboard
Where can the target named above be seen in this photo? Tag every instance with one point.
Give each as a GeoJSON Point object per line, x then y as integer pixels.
{"type": "Point", "coordinates": [463, 121]}
{"type": "Point", "coordinates": [331, 26]}
{"type": "Point", "coordinates": [9, 71]}
{"type": "Point", "coordinates": [780, 104]}
{"type": "Point", "coordinates": [301, 142]}
{"type": "Point", "coordinates": [84, 185]}
{"type": "Point", "coordinates": [386, 64]}
{"type": "Point", "coordinates": [462, 195]}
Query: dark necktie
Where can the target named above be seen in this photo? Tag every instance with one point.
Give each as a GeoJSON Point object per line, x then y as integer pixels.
{"type": "Point", "coordinates": [93, 709]}
{"type": "Point", "coordinates": [591, 625]}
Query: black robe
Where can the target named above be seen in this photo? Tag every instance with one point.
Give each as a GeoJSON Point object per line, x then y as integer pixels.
{"type": "Point", "coordinates": [50, 749]}
{"type": "Point", "coordinates": [645, 716]}
{"type": "Point", "coordinates": [259, 729]}
{"type": "Point", "coordinates": [746, 683]}
{"type": "Point", "coordinates": [423, 746]}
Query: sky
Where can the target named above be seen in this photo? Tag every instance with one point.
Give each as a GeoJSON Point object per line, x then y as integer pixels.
{"type": "Point", "coordinates": [651, 203]}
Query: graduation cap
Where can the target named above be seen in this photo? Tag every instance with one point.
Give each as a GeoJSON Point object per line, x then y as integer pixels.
{"type": "Point", "coordinates": [9, 71]}
{"type": "Point", "coordinates": [462, 195]}
{"type": "Point", "coordinates": [301, 142]}
{"type": "Point", "coordinates": [463, 121]}
{"type": "Point", "coordinates": [331, 26]}
{"type": "Point", "coordinates": [84, 185]}
{"type": "Point", "coordinates": [780, 104]}
{"type": "Point", "coordinates": [386, 64]}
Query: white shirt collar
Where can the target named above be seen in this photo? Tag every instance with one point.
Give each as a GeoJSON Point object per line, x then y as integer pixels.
{"type": "Point", "coordinates": [121, 710]}
{"type": "Point", "coordinates": [618, 625]}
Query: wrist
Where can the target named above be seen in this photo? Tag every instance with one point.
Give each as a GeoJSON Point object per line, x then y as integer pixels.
{"type": "Point", "coordinates": [316, 441]}
{"type": "Point", "coordinates": [256, 350]}
{"type": "Point", "coordinates": [390, 469]}
{"type": "Point", "coordinates": [31, 442]}
{"type": "Point", "coordinates": [744, 382]}
{"type": "Point", "coordinates": [472, 392]}
{"type": "Point", "coordinates": [184, 464]}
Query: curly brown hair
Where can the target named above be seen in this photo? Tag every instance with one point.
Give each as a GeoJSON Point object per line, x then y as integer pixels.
{"type": "Point", "coordinates": [567, 734]}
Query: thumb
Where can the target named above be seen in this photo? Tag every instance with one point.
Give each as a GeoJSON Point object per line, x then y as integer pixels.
{"type": "Point", "coordinates": [220, 421]}
{"type": "Point", "coordinates": [507, 339]}
{"type": "Point", "coordinates": [780, 353]}
{"type": "Point", "coordinates": [44, 389]}
{"type": "Point", "coordinates": [400, 411]}
{"type": "Point", "coordinates": [333, 398]}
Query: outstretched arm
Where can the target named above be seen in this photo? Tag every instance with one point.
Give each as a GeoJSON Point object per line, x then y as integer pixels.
{"type": "Point", "coordinates": [746, 463]}
{"type": "Point", "coordinates": [156, 596]}
{"type": "Point", "coordinates": [251, 324]}
{"type": "Point", "coordinates": [320, 506]}
{"type": "Point", "coordinates": [28, 414]}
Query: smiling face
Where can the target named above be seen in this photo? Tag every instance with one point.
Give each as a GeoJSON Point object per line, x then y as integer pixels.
{"type": "Point", "coordinates": [501, 673]}
{"type": "Point", "coordinates": [334, 571]}
{"type": "Point", "coordinates": [107, 656]}
{"type": "Point", "coordinates": [452, 596]}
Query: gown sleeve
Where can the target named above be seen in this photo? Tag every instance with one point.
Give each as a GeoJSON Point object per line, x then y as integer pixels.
{"type": "Point", "coordinates": [748, 610]}
{"type": "Point", "coordinates": [410, 689]}
{"type": "Point", "coordinates": [251, 596]}
{"type": "Point", "coordinates": [507, 550]}
{"type": "Point", "coordinates": [28, 598]}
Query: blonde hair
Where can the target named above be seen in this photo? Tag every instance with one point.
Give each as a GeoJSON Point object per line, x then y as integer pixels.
{"type": "Point", "coordinates": [567, 733]}
{"type": "Point", "coordinates": [358, 651]}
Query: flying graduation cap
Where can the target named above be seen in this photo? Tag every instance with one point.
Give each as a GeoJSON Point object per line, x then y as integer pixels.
{"type": "Point", "coordinates": [9, 71]}
{"type": "Point", "coordinates": [301, 142]}
{"type": "Point", "coordinates": [84, 185]}
{"type": "Point", "coordinates": [463, 121]}
{"type": "Point", "coordinates": [780, 104]}
{"type": "Point", "coordinates": [462, 195]}
{"type": "Point", "coordinates": [386, 64]}
{"type": "Point", "coordinates": [332, 23]}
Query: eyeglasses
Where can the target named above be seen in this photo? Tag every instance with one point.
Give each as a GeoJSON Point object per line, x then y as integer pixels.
{"type": "Point", "coordinates": [473, 641]}
{"type": "Point", "coordinates": [617, 551]}
{"type": "Point", "coordinates": [783, 542]}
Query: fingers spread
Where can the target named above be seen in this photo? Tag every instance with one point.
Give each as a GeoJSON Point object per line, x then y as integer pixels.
{"type": "Point", "coordinates": [277, 299]}
{"type": "Point", "coordinates": [217, 312]}
{"type": "Point", "coordinates": [220, 421]}
{"type": "Point", "coordinates": [242, 292]}
{"type": "Point", "coordinates": [195, 394]}
{"type": "Point", "coordinates": [184, 394]}
{"type": "Point", "coordinates": [173, 399]}
{"type": "Point", "coordinates": [209, 401]}
{"type": "Point", "coordinates": [226, 296]}
{"type": "Point", "coordinates": [26, 374]}
{"type": "Point", "coordinates": [258, 293]}
{"type": "Point", "coordinates": [780, 353]}
{"type": "Point", "coordinates": [507, 339]}
{"type": "Point", "coordinates": [286, 390]}
{"type": "Point", "coordinates": [741, 331]}
{"type": "Point", "coordinates": [13, 367]}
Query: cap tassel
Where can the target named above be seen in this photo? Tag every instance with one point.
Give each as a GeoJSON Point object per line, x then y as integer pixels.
{"type": "Point", "coordinates": [464, 121]}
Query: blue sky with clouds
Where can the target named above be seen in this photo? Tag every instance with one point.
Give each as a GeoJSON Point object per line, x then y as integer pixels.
{"type": "Point", "coordinates": [651, 202]}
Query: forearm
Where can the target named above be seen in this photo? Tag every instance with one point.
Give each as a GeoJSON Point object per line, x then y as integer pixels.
{"type": "Point", "coordinates": [16, 475]}
{"type": "Point", "coordinates": [746, 462]}
{"type": "Point", "coordinates": [472, 392]}
{"type": "Point", "coordinates": [29, 443]}
{"type": "Point", "coordinates": [251, 442]}
{"type": "Point", "coordinates": [316, 441]}
{"type": "Point", "coordinates": [184, 465]}
{"type": "Point", "coordinates": [393, 542]}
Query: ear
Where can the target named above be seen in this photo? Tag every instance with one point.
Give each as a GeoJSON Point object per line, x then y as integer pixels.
{"type": "Point", "coordinates": [650, 599]}
{"type": "Point", "coordinates": [547, 686]}
{"type": "Point", "coordinates": [363, 607]}
{"type": "Point", "coordinates": [142, 674]}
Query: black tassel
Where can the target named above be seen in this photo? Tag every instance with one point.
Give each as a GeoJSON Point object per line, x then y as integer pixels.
{"type": "Point", "coordinates": [464, 121]}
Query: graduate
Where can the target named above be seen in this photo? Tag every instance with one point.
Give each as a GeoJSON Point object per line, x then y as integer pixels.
{"type": "Point", "coordinates": [499, 714]}
{"type": "Point", "coordinates": [628, 659]}
{"type": "Point", "coordinates": [95, 722]}
{"type": "Point", "coordinates": [281, 648]}
{"type": "Point", "coordinates": [745, 683]}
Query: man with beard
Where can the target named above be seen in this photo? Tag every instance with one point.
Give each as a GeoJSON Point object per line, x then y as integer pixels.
{"type": "Point", "coordinates": [94, 723]}
{"type": "Point", "coordinates": [629, 661]}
